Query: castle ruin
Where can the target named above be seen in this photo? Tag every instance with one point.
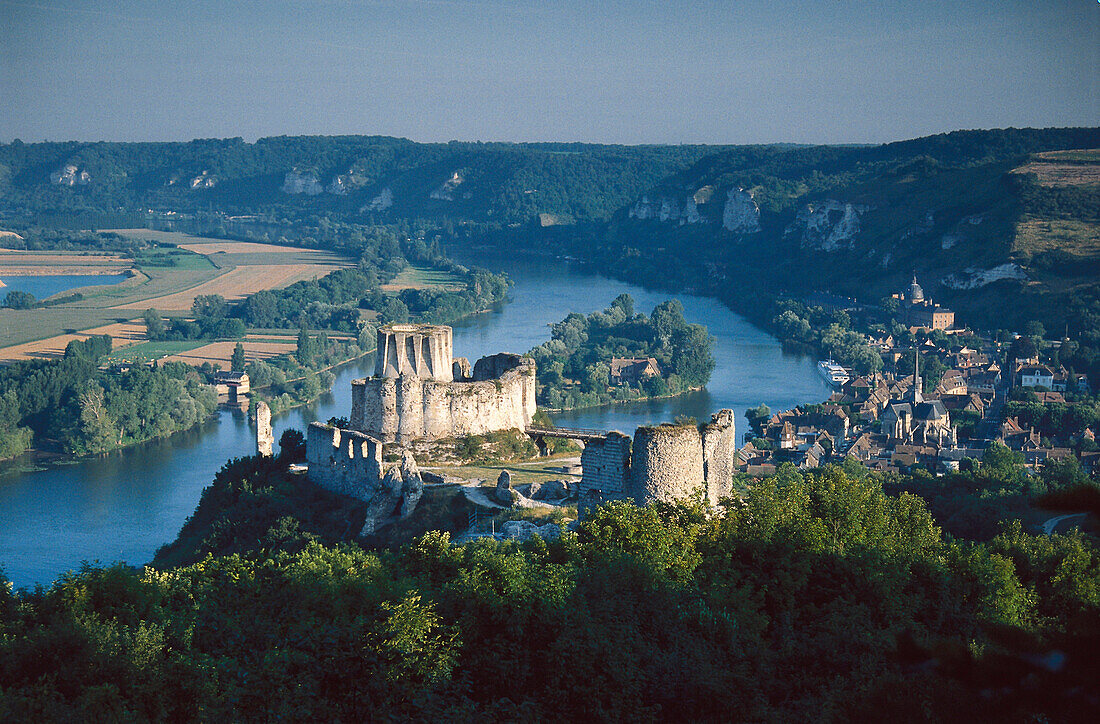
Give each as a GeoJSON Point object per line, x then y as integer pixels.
{"type": "Point", "coordinates": [663, 462]}
{"type": "Point", "coordinates": [420, 391]}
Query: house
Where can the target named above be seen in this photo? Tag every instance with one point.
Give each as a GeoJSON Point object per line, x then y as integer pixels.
{"type": "Point", "coordinates": [632, 370]}
{"type": "Point", "coordinates": [1035, 375]}
{"type": "Point", "coordinates": [233, 384]}
{"type": "Point", "coordinates": [953, 382]}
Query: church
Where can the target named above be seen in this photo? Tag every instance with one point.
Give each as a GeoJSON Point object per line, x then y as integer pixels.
{"type": "Point", "coordinates": [913, 420]}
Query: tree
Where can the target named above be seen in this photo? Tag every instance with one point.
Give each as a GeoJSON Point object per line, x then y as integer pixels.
{"type": "Point", "coordinates": [261, 309]}
{"type": "Point", "coordinates": [237, 361]}
{"type": "Point", "coordinates": [154, 324]}
{"type": "Point", "coordinates": [757, 417]}
{"type": "Point", "coordinates": [16, 299]}
{"type": "Point", "coordinates": [692, 355]}
{"type": "Point", "coordinates": [292, 446]}
{"type": "Point", "coordinates": [211, 306]}
{"type": "Point", "coordinates": [1035, 329]}
{"type": "Point", "coordinates": [306, 351]}
{"type": "Point", "coordinates": [668, 318]}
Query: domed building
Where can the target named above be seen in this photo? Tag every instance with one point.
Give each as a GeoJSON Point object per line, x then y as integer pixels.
{"type": "Point", "coordinates": [921, 312]}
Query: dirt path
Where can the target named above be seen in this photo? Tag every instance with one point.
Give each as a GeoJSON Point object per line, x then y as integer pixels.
{"type": "Point", "coordinates": [1052, 524]}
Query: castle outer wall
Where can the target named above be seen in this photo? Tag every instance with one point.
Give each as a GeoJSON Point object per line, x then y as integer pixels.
{"type": "Point", "coordinates": [662, 463]}
{"type": "Point", "coordinates": [343, 461]}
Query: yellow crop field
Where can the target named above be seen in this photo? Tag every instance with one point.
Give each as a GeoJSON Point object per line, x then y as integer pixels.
{"type": "Point", "coordinates": [235, 284]}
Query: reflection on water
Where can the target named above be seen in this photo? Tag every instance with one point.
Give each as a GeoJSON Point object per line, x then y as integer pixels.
{"type": "Point", "coordinates": [126, 504]}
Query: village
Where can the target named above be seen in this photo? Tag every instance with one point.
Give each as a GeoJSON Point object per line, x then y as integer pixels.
{"type": "Point", "coordinates": [892, 422]}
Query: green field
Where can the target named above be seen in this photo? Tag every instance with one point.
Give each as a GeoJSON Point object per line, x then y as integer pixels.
{"type": "Point", "coordinates": [417, 278]}
{"type": "Point", "coordinates": [148, 351]}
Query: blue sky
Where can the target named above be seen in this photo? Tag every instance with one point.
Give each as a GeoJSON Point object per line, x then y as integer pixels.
{"type": "Point", "coordinates": [619, 72]}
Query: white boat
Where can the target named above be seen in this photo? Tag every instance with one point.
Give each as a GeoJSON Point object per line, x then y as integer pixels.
{"type": "Point", "coordinates": [833, 373]}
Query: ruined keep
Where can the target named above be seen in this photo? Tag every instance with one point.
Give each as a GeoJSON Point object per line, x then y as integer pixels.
{"type": "Point", "coordinates": [663, 462]}
{"type": "Point", "coordinates": [420, 391]}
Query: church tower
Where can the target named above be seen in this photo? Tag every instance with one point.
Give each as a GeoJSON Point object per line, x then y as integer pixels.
{"type": "Point", "coordinates": [915, 395]}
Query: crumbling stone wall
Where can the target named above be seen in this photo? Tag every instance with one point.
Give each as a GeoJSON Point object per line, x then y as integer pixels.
{"type": "Point", "coordinates": [719, 455]}
{"type": "Point", "coordinates": [265, 439]}
{"type": "Point", "coordinates": [412, 399]}
{"type": "Point", "coordinates": [343, 461]}
{"type": "Point", "coordinates": [606, 466]}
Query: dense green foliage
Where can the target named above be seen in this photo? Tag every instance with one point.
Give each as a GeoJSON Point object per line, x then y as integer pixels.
{"type": "Point", "coordinates": [818, 597]}
{"type": "Point", "coordinates": [504, 182]}
{"type": "Point", "coordinates": [73, 405]}
{"type": "Point", "coordinates": [573, 367]}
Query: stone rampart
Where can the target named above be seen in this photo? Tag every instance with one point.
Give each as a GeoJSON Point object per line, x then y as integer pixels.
{"type": "Point", "coordinates": [663, 462]}
{"type": "Point", "coordinates": [265, 440]}
{"type": "Point", "coordinates": [666, 463]}
{"type": "Point", "coordinates": [343, 461]}
{"type": "Point", "coordinates": [606, 466]}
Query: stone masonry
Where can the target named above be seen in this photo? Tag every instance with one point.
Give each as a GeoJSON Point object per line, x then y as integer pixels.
{"type": "Point", "coordinates": [265, 440]}
{"type": "Point", "coordinates": [663, 462]}
{"type": "Point", "coordinates": [420, 391]}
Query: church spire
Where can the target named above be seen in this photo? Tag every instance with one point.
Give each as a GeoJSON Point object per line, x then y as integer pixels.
{"type": "Point", "coordinates": [915, 392]}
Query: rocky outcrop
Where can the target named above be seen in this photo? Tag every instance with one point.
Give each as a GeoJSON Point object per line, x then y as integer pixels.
{"type": "Point", "coordinates": [973, 278]}
{"type": "Point", "coordinates": [948, 241]}
{"type": "Point", "coordinates": [446, 190]}
{"type": "Point", "coordinates": [550, 490]}
{"type": "Point", "coordinates": [412, 484]}
{"type": "Point", "coordinates": [827, 226]}
{"type": "Point", "coordinates": [741, 214]}
{"type": "Point", "coordinates": [394, 497]}
{"type": "Point", "coordinates": [503, 494]}
{"type": "Point", "coordinates": [70, 175]}
{"type": "Point", "coordinates": [667, 209]}
{"type": "Point", "coordinates": [297, 182]}
{"type": "Point", "coordinates": [381, 202]}
{"type": "Point", "coordinates": [204, 180]}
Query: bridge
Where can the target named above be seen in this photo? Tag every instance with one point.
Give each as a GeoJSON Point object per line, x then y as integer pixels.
{"type": "Point", "coordinates": [539, 435]}
{"type": "Point", "coordinates": [571, 433]}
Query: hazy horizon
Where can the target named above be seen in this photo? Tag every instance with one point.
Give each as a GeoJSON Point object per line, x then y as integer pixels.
{"type": "Point", "coordinates": [638, 72]}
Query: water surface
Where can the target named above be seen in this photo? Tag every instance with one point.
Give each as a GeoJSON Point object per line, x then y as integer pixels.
{"type": "Point", "coordinates": [46, 286]}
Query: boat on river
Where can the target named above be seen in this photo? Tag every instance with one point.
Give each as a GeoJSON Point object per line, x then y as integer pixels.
{"type": "Point", "coordinates": [833, 373]}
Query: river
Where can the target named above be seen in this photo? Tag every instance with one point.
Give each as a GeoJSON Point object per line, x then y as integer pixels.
{"type": "Point", "coordinates": [125, 505]}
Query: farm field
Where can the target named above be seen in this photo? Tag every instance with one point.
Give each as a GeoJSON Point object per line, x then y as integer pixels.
{"type": "Point", "coordinates": [414, 278]}
{"type": "Point", "coordinates": [167, 279]}
{"type": "Point", "coordinates": [1065, 168]}
{"type": "Point", "coordinates": [37, 263]}
{"type": "Point", "coordinates": [219, 353]}
{"type": "Point", "coordinates": [123, 334]}
{"type": "Point", "coordinates": [234, 284]}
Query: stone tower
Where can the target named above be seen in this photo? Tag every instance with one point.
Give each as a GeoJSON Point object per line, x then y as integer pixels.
{"type": "Point", "coordinates": [265, 440]}
{"type": "Point", "coordinates": [419, 350]}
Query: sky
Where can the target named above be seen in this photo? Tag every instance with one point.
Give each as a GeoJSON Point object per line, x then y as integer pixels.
{"type": "Point", "coordinates": [608, 71]}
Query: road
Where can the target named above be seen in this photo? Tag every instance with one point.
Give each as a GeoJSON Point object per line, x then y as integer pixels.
{"type": "Point", "coordinates": [1050, 525]}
